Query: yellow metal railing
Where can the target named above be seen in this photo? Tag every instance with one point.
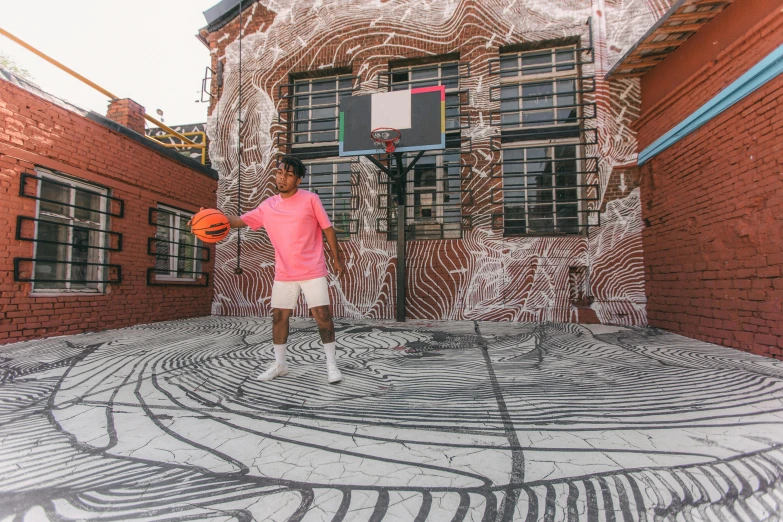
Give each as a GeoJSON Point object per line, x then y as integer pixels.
{"type": "Point", "coordinates": [202, 145]}
{"type": "Point", "coordinates": [172, 132]}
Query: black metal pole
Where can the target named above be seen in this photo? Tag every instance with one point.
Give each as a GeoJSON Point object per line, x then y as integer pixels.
{"type": "Point", "coordinates": [399, 176]}
{"type": "Point", "coordinates": [401, 264]}
{"type": "Point", "coordinates": [238, 269]}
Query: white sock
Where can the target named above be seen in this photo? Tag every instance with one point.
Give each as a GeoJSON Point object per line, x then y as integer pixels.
{"type": "Point", "coordinates": [280, 353]}
{"type": "Point", "coordinates": [329, 348]}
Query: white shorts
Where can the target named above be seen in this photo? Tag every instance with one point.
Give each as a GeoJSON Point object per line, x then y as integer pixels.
{"type": "Point", "coordinates": [285, 294]}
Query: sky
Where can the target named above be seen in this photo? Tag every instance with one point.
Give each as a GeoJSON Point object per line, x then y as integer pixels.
{"type": "Point", "coordinates": [145, 50]}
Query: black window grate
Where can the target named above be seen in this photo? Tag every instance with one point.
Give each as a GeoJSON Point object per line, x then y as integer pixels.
{"type": "Point", "coordinates": [542, 89]}
{"type": "Point", "coordinates": [116, 206]}
{"type": "Point", "coordinates": [69, 233]}
{"type": "Point", "coordinates": [27, 270]}
{"type": "Point", "coordinates": [335, 181]}
{"type": "Point", "coordinates": [311, 116]}
{"type": "Point", "coordinates": [539, 190]}
{"type": "Point", "coordinates": [435, 198]}
{"type": "Point", "coordinates": [177, 262]}
{"type": "Point", "coordinates": [26, 227]}
{"type": "Point", "coordinates": [448, 74]}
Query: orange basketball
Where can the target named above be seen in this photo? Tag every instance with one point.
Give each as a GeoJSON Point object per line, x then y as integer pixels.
{"type": "Point", "coordinates": [210, 225]}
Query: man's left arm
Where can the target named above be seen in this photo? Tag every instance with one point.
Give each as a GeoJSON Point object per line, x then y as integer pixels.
{"type": "Point", "coordinates": [331, 240]}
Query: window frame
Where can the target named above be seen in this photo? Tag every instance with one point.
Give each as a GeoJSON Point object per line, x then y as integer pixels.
{"type": "Point", "coordinates": [439, 80]}
{"type": "Point", "coordinates": [174, 258]}
{"type": "Point", "coordinates": [552, 76]}
{"type": "Point", "coordinates": [295, 109]}
{"type": "Point", "coordinates": [335, 162]}
{"type": "Point", "coordinates": [71, 222]}
{"type": "Point", "coordinates": [552, 72]}
{"type": "Point", "coordinates": [579, 159]}
{"type": "Point", "coordinates": [441, 178]}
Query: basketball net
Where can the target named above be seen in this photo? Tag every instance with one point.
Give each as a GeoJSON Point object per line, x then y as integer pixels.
{"type": "Point", "coordinates": [385, 139]}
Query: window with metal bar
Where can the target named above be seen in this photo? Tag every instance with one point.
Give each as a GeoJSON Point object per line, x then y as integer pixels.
{"type": "Point", "coordinates": [551, 102]}
{"type": "Point", "coordinates": [541, 89]}
{"type": "Point", "coordinates": [331, 181]}
{"type": "Point", "coordinates": [71, 240]}
{"type": "Point", "coordinates": [542, 117]}
{"type": "Point", "coordinates": [315, 107]}
{"type": "Point", "coordinates": [178, 253]}
{"type": "Point", "coordinates": [551, 61]}
{"type": "Point", "coordinates": [446, 74]}
{"type": "Point", "coordinates": [433, 198]}
{"type": "Point", "coordinates": [541, 190]}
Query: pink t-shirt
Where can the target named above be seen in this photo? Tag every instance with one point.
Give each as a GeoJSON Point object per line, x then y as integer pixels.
{"type": "Point", "coordinates": [294, 226]}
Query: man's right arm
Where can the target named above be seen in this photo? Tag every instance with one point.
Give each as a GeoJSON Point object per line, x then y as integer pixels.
{"type": "Point", "coordinates": [236, 222]}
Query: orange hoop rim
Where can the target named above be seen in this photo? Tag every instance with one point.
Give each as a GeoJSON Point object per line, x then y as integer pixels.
{"type": "Point", "coordinates": [386, 138]}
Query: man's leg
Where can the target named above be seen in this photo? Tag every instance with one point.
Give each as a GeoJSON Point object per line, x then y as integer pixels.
{"type": "Point", "coordinates": [280, 328]}
{"type": "Point", "coordinates": [284, 297]}
{"type": "Point", "coordinates": [323, 317]}
{"type": "Point", "coordinates": [316, 293]}
{"type": "Point", "coordinates": [280, 317]}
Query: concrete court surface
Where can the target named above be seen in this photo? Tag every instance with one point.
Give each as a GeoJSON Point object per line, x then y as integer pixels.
{"type": "Point", "coordinates": [434, 421]}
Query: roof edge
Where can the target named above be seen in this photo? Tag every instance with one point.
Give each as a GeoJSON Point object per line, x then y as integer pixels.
{"type": "Point", "coordinates": [673, 9]}
{"type": "Point", "coordinates": [223, 12]}
{"type": "Point", "coordinates": [102, 120]}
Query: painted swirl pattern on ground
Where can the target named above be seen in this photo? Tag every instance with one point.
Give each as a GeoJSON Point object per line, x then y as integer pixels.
{"type": "Point", "coordinates": [434, 421]}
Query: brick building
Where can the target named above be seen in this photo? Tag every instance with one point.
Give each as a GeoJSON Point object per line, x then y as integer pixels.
{"type": "Point", "coordinates": [531, 213]}
{"type": "Point", "coordinates": [94, 216]}
{"type": "Point", "coordinates": [710, 138]}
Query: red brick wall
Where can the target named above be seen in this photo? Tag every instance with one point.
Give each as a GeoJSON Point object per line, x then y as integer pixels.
{"type": "Point", "coordinates": [709, 80]}
{"type": "Point", "coordinates": [704, 47]}
{"type": "Point", "coordinates": [621, 182]}
{"type": "Point", "coordinates": [713, 208]}
{"type": "Point", "coordinates": [34, 132]}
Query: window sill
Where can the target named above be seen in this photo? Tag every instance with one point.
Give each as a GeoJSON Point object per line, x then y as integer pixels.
{"type": "Point", "coordinates": [529, 78]}
{"type": "Point", "coordinates": [517, 127]}
{"type": "Point", "coordinates": [169, 279]}
{"type": "Point", "coordinates": [154, 279]}
{"type": "Point", "coordinates": [66, 293]}
{"type": "Point", "coordinates": [315, 144]}
{"type": "Point", "coordinates": [551, 234]}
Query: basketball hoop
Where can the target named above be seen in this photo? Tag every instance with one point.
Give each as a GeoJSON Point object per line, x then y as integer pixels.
{"type": "Point", "coordinates": [385, 138]}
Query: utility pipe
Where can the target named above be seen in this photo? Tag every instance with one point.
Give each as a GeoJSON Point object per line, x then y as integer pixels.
{"type": "Point", "coordinates": [88, 82]}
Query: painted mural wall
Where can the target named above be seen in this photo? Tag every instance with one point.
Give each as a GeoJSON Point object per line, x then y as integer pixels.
{"type": "Point", "coordinates": [484, 276]}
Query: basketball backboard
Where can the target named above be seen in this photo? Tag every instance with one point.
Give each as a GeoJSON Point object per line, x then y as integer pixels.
{"type": "Point", "coordinates": [419, 115]}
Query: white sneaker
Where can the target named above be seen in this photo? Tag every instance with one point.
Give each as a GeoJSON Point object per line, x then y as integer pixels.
{"type": "Point", "coordinates": [332, 373]}
{"type": "Point", "coordinates": [276, 370]}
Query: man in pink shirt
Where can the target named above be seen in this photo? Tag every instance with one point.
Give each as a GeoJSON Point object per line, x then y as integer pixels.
{"type": "Point", "coordinates": [295, 220]}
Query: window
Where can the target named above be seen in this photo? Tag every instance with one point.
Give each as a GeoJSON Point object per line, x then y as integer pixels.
{"type": "Point", "coordinates": [541, 190]}
{"type": "Point", "coordinates": [543, 128]}
{"type": "Point", "coordinates": [70, 235]}
{"type": "Point", "coordinates": [316, 104]}
{"type": "Point", "coordinates": [446, 74]}
{"type": "Point", "coordinates": [433, 198]}
{"type": "Point", "coordinates": [177, 252]}
{"type": "Point", "coordinates": [539, 103]}
{"type": "Point", "coordinates": [546, 62]}
{"type": "Point", "coordinates": [331, 180]}
{"type": "Point", "coordinates": [539, 89]}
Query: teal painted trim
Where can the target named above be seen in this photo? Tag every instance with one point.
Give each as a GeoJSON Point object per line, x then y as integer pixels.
{"type": "Point", "coordinates": [764, 71]}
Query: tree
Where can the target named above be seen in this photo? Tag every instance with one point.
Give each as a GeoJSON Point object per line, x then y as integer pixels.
{"type": "Point", "coordinates": [8, 64]}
